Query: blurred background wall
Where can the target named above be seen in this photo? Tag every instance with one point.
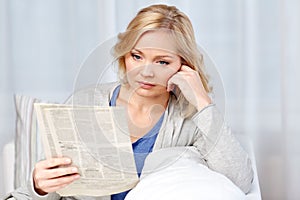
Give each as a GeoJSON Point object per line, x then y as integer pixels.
{"type": "Point", "coordinates": [255, 45]}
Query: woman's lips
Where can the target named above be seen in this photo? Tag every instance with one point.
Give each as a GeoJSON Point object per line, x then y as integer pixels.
{"type": "Point", "coordinates": [145, 85]}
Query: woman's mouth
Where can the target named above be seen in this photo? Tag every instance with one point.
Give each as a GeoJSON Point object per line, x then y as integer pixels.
{"type": "Point", "coordinates": [145, 85]}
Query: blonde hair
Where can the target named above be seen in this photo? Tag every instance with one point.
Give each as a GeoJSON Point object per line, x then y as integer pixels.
{"type": "Point", "coordinates": [178, 24]}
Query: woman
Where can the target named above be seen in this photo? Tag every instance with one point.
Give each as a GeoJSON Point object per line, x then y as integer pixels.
{"type": "Point", "coordinates": [166, 93]}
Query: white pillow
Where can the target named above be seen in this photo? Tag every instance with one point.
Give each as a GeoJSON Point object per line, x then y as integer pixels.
{"type": "Point", "coordinates": [28, 146]}
{"type": "Point", "coordinates": [179, 173]}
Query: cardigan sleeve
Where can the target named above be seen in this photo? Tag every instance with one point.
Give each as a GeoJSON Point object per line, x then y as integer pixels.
{"type": "Point", "coordinates": [220, 149]}
{"type": "Point", "coordinates": [27, 192]}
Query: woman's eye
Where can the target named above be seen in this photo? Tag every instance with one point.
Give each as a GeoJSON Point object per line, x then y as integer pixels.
{"type": "Point", "coordinates": [135, 56]}
{"type": "Point", "coordinates": [163, 62]}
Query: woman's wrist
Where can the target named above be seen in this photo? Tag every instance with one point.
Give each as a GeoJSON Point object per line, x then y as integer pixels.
{"type": "Point", "coordinates": [202, 103]}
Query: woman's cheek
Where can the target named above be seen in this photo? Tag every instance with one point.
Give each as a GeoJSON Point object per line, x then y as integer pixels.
{"type": "Point", "coordinates": [129, 65]}
{"type": "Point", "coordinates": [164, 76]}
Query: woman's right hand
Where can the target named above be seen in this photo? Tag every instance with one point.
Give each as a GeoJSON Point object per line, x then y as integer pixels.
{"type": "Point", "coordinates": [53, 174]}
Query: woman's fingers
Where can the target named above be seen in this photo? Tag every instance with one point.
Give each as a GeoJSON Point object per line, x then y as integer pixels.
{"type": "Point", "coordinates": [52, 174]}
{"type": "Point", "coordinates": [172, 82]}
{"type": "Point", "coordinates": [51, 185]}
{"type": "Point", "coordinates": [186, 68]}
{"type": "Point", "coordinates": [53, 162]}
{"type": "Point", "coordinates": [190, 84]}
{"type": "Point", "coordinates": [55, 172]}
{"type": "Point", "coordinates": [181, 78]}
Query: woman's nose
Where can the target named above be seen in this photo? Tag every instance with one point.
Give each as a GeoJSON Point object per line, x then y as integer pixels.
{"type": "Point", "coordinates": [147, 70]}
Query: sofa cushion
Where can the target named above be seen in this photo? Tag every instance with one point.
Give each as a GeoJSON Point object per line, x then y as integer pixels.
{"type": "Point", "coordinates": [28, 147]}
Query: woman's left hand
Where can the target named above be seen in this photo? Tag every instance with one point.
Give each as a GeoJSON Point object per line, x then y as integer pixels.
{"type": "Point", "coordinates": [190, 84]}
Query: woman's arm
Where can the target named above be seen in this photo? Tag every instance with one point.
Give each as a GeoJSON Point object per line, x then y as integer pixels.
{"type": "Point", "coordinates": [220, 149]}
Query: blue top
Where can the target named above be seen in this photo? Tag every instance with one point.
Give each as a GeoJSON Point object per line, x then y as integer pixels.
{"type": "Point", "coordinates": [141, 148]}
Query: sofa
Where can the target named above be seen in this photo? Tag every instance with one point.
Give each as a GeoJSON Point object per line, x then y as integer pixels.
{"type": "Point", "coordinates": [20, 155]}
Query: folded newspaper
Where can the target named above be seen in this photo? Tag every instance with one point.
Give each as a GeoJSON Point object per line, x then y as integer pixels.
{"type": "Point", "coordinates": [97, 141]}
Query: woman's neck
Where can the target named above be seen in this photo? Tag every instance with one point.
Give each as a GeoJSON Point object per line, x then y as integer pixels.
{"type": "Point", "coordinates": [143, 111]}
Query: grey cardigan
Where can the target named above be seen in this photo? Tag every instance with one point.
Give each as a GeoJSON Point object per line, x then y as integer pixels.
{"type": "Point", "coordinates": [206, 131]}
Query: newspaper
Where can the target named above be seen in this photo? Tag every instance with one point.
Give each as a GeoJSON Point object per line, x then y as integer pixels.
{"type": "Point", "coordinates": [97, 141]}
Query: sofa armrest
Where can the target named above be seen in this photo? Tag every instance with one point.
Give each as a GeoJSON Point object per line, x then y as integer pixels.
{"type": "Point", "coordinates": [8, 166]}
{"type": "Point", "coordinates": [247, 144]}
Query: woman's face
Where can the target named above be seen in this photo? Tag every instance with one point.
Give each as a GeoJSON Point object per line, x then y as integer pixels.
{"type": "Point", "coordinates": [151, 63]}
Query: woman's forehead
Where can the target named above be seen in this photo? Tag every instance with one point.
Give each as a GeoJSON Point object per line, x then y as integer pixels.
{"type": "Point", "coordinates": [158, 39]}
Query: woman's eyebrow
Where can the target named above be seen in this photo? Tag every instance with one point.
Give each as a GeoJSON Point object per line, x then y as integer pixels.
{"type": "Point", "coordinates": [139, 51]}
{"type": "Point", "coordinates": [159, 56]}
{"type": "Point", "coordinates": [164, 56]}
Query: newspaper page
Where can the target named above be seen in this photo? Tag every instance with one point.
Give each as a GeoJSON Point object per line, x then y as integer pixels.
{"type": "Point", "coordinates": [97, 141]}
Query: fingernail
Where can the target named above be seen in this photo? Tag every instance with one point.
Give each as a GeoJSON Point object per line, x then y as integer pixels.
{"type": "Point", "coordinates": [68, 160]}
